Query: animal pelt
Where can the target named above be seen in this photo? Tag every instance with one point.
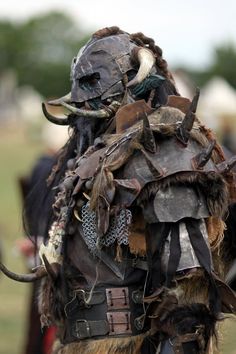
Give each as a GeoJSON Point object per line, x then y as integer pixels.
{"type": "Point", "coordinates": [137, 242]}
{"type": "Point", "coordinates": [193, 288]}
{"type": "Point", "coordinates": [50, 302]}
{"type": "Point", "coordinates": [184, 310]}
{"type": "Point", "coordinates": [123, 345]}
{"type": "Point", "coordinates": [190, 319]}
{"type": "Point", "coordinates": [215, 230]}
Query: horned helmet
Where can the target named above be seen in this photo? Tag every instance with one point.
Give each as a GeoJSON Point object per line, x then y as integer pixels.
{"type": "Point", "coordinates": [113, 65]}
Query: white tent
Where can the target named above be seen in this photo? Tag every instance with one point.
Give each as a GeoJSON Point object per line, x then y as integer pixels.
{"type": "Point", "coordinates": [217, 101]}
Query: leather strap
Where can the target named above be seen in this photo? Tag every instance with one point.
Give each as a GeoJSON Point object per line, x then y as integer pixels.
{"type": "Point", "coordinates": [106, 312]}
{"type": "Point", "coordinates": [177, 341]}
{"type": "Point", "coordinates": [138, 263]}
{"type": "Point", "coordinates": [83, 329]}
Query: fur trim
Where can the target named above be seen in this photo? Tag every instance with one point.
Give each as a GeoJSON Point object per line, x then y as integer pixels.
{"type": "Point", "coordinates": [137, 241]}
{"type": "Point", "coordinates": [215, 230]}
{"type": "Point", "coordinates": [50, 302]}
{"type": "Point", "coordinates": [122, 345]}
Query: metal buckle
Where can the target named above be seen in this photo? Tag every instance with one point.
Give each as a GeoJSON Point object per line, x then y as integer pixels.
{"type": "Point", "coordinates": [139, 322]}
{"type": "Point", "coordinates": [82, 329]}
{"type": "Point", "coordinates": [81, 296]}
{"type": "Point", "coordinates": [137, 296]}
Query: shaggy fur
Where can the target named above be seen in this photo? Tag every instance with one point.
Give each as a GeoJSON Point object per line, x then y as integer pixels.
{"type": "Point", "coordinates": [215, 230]}
{"type": "Point", "coordinates": [137, 241]}
{"type": "Point", "coordinates": [123, 345]}
{"type": "Point", "coordinates": [189, 319]}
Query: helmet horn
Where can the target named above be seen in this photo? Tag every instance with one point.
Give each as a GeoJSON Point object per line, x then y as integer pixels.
{"type": "Point", "coordinates": [53, 119]}
{"type": "Point", "coordinates": [146, 59]}
{"type": "Point", "coordinates": [106, 112]}
{"type": "Point", "coordinates": [58, 101]}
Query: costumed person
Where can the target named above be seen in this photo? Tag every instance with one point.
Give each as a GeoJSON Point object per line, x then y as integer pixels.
{"type": "Point", "coordinates": [131, 261]}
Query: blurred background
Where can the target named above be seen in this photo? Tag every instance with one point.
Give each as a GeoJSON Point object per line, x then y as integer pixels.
{"type": "Point", "coordinates": [37, 43]}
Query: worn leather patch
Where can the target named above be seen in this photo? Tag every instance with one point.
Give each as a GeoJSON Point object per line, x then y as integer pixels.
{"type": "Point", "coordinates": [181, 103]}
{"type": "Point", "coordinates": [130, 114]}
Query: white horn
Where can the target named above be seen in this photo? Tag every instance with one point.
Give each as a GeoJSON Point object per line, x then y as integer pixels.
{"type": "Point", "coordinates": [146, 59]}
{"type": "Point", "coordinates": [58, 101]}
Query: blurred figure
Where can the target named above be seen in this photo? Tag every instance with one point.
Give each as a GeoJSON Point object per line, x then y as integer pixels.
{"type": "Point", "coordinates": [38, 341]}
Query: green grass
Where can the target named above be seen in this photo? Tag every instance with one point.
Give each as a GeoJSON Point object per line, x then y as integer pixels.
{"type": "Point", "coordinates": [17, 155]}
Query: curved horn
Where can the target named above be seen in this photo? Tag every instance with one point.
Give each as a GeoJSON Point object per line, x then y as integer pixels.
{"type": "Point", "coordinates": [53, 119]}
{"type": "Point", "coordinates": [24, 278]}
{"type": "Point", "coordinates": [183, 131]}
{"type": "Point", "coordinates": [146, 59]}
{"type": "Point", "coordinates": [58, 101]}
{"type": "Point", "coordinates": [100, 113]}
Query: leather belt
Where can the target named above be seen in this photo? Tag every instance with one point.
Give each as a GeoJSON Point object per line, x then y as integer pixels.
{"type": "Point", "coordinates": [86, 329]}
{"type": "Point", "coordinates": [107, 312]}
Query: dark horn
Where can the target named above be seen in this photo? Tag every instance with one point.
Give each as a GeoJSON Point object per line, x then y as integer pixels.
{"type": "Point", "coordinates": [183, 131]}
{"type": "Point", "coordinates": [148, 139]}
{"type": "Point", "coordinates": [52, 119]}
{"type": "Point", "coordinates": [194, 103]}
{"type": "Point", "coordinates": [39, 273]}
{"type": "Point", "coordinates": [226, 166]}
{"type": "Point", "coordinates": [201, 159]}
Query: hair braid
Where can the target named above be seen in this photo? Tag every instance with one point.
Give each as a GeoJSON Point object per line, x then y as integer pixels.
{"type": "Point", "coordinates": [108, 31]}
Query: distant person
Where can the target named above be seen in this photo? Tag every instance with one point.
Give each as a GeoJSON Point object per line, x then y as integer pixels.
{"type": "Point", "coordinates": [38, 341]}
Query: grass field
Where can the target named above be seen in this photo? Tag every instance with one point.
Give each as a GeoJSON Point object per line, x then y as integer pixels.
{"type": "Point", "coordinates": [17, 154]}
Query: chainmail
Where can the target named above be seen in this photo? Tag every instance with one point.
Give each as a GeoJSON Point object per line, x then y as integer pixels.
{"type": "Point", "coordinates": [118, 230]}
